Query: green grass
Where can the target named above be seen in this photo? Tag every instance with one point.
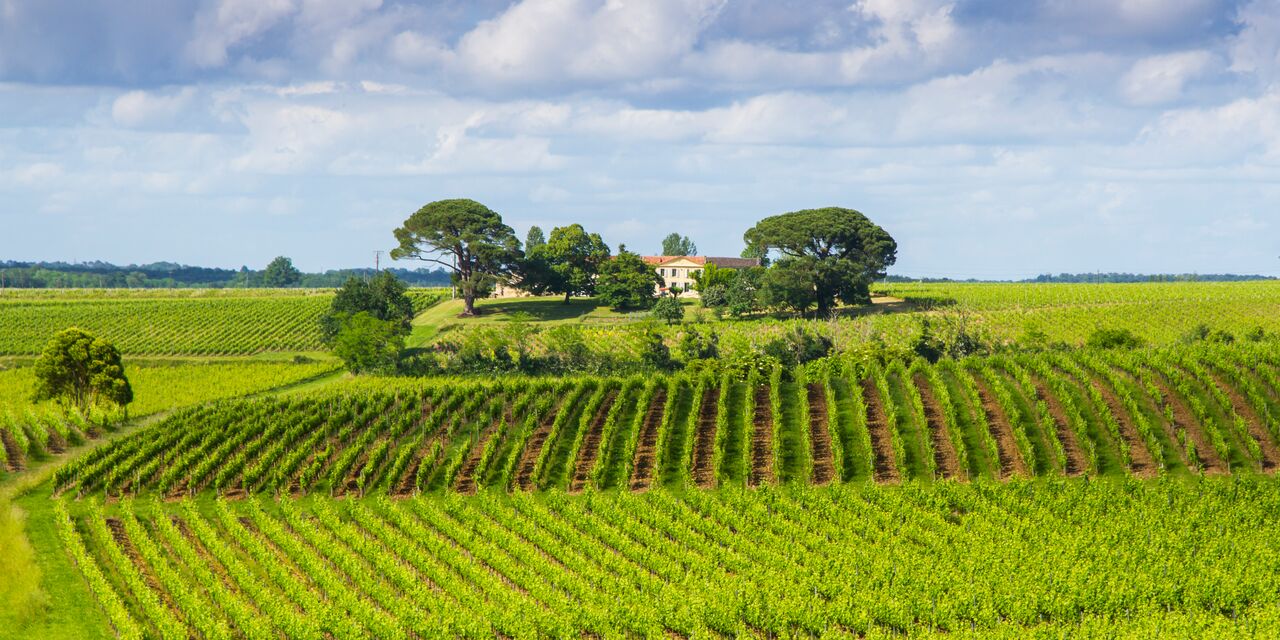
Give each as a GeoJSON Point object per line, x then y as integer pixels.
{"type": "Point", "coordinates": [733, 469]}
{"type": "Point", "coordinates": [791, 454]}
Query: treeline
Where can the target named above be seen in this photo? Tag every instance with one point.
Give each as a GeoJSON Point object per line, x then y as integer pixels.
{"type": "Point", "coordinates": [1119, 278]}
{"type": "Point", "coordinates": [167, 275]}
{"type": "Point", "coordinates": [1138, 277]}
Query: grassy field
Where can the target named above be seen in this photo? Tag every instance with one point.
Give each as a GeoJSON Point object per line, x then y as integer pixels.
{"type": "Point", "coordinates": [1027, 493]}
{"type": "Point", "coordinates": [204, 322]}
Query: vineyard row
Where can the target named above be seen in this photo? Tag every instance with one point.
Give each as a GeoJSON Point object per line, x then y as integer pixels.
{"type": "Point", "coordinates": [1203, 411]}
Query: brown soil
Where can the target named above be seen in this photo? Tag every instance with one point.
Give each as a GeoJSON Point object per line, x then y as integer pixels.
{"type": "Point", "coordinates": [704, 444]}
{"type": "Point", "coordinates": [1183, 418]}
{"type": "Point", "coordinates": [118, 533]}
{"type": "Point", "coordinates": [466, 481]}
{"type": "Point", "coordinates": [944, 451]}
{"type": "Point", "coordinates": [349, 484]}
{"type": "Point", "coordinates": [1076, 463]}
{"type": "Point", "coordinates": [1140, 461]}
{"type": "Point", "coordinates": [405, 484]}
{"type": "Point", "coordinates": [886, 470]}
{"type": "Point", "coordinates": [1002, 430]}
{"type": "Point", "coordinates": [1254, 421]}
{"type": "Point", "coordinates": [1170, 431]}
{"type": "Point", "coordinates": [642, 467]}
{"type": "Point", "coordinates": [820, 435]}
{"type": "Point", "coordinates": [11, 450]}
{"type": "Point", "coordinates": [532, 449]}
{"type": "Point", "coordinates": [590, 450]}
{"type": "Point", "coordinates": [57, 443]}
{"type": "Point", "coordinates": [762, 439]}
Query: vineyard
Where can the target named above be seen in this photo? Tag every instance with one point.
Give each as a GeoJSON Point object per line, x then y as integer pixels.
{"type": "Point", "coordinates": [1095, 559]}
{"type": "Point", "coordinates": [203, 322]}
{"type": "Point", "coordinates": [1202, 410]}
{"type": "Point", "coordinates": [36, 430]}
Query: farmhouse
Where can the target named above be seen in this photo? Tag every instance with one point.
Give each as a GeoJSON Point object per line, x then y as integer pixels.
{"type": "Point", "coordinates": [677, 271]}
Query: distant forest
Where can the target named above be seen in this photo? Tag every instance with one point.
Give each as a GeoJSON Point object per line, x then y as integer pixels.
{"type": "Point", "coordinates": [1104, 278]}
{"type": "Point", "coordinates": [160, 275]}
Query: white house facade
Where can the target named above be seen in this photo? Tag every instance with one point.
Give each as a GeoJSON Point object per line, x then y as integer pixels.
{"type": "Point", "coordinates": [677, 272]}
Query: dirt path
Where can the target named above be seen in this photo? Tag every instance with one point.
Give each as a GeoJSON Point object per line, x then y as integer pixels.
{"type": "Point", "coordinates": [1011, 461]}
{"type": "Point", "coordinates": [1141, 462]}
{"type": "Point", "coordinates": [11, 451]}
{"type": "Point", "coordinates": [944, 450]}
{"type": "Point", "coordinates": [762, 439]}
{"type": "Point", "coordinates": [1076, 462]}
{"type": "Point", "coordinates": [466, 481]}
{"type": "Point", "coordinates": [642, 466]}
{"type": "Point", "coordinates": [533, 448]}
{"type": "Point", "coordinates": [1251, 418]}
{"type": "Point", "coordinates": [881, 440]}
{"type": "Point", "coordinates": [820, 435]}
{"type": "Point", "coordinates": [590, 450]}
{"type": "Point", "coordinates": [704, 444]}
{"type": "Point", "coordinates": [1183, 418]}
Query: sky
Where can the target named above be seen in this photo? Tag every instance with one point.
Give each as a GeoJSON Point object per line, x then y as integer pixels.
{"type": "Point", "coordinates": [992, 139]}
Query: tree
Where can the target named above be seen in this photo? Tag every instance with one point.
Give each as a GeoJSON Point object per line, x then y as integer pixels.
{"type": "Point", "coordinates": [713, 276]}
{"type": "Point", "coordinates": [80, 369]}
{"type": "Point", "coordinates": [789, 284]}
{"type": "Point", "coordinates": [367, 344]}
{"type": "Point", "coordinates": [677, 245]}
{"type": "Point", "coordinates": [567, 263]}
{"type": "Point", "coordinates": [840, 251]}
{"type": "Point", "coordinates": [465, 237]}
{"type": "Point", "coordinates": [281, 273]}
{"type": "Point", "coordinates": [534, 239]}
{"type": "Point", "coordinates": [669, 310]}
{"type": "Point", "coordinates": [382, 296]}
{"type": "Point", "coordinates": [743, 295]}
{"type": "Point", "coordinates": [626, 282]}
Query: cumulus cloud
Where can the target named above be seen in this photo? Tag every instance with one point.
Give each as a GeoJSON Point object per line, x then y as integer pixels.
{"type": "Point", "coordinates": [145, 108]}
{"type": "Point", "coordinates": [1160, 79]}
{"type": "Point", "coordinates": [223, 24]}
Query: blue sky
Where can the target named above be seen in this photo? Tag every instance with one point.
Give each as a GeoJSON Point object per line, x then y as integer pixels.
{"type": "Point", "coordinates": [991, 138]}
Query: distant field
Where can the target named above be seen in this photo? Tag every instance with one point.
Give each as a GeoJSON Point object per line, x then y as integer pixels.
{"type": "Point", "coordinates": [203, 322]}
{"type": "Point", "coordinates": [1105, 559]}
{"type": "Point", "coordinates": [1159, 312]}
{"type": "Point", "coordinates": [1192, 410]}
{"type": "Point", "coordinates": [36, 429]}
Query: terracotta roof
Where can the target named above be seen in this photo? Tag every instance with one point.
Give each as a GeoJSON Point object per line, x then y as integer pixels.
{"type": "Point", "coordinates": [729, 263]}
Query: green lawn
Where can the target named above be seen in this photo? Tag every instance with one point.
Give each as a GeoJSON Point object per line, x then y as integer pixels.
{"type": "Point", "coordinates": [544, 310]}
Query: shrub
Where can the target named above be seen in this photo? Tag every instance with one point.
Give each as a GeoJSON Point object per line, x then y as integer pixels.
{"type": "Point", "coordinates": [1114, 339]}
{"type": "Point", "coordinates": [669, 310]}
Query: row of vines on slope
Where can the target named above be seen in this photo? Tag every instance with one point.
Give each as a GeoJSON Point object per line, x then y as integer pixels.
{"type": "Point", "coordinates": [1197, 410]}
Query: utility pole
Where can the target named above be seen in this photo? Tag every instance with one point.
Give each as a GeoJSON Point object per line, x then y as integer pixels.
{"type": "Point", "coordinates": [377, 261]}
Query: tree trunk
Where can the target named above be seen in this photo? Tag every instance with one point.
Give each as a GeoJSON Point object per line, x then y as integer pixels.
{"type": "Point", "coordinates": [566, 297]}
{"type": "Point", "coordinates": [468, 304]}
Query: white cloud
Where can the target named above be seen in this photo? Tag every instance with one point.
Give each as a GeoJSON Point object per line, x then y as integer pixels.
{"type": "Point", "coordinates": [1256, 49]}
{"type": "Point", "coordinates": [37, 174]}
{"type": "Point", "coordinates": [537, 41]}
{"type": "Point", "coordinates": [229, 22]}
{"type": "Point", "coordinates": [1161, 78]}
{"type": "Point", "coordinates": [143, 108]}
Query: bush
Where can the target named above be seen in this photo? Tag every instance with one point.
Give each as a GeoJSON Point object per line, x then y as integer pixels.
{"type": "Point", "coordinates": [368, 345]}
{"type": "Point", "coordinates": [1114, 339]}
{"type": "Point", "coordinates": [669, 310]}
{"type": "Point", "coordinates": [798, 346]}
{"type": "Point", "coordinates": [715, 296]}
{"type": "Point", "coordinates": [654, 351]}
{"type": "Point", "coordinates": [696, 345]}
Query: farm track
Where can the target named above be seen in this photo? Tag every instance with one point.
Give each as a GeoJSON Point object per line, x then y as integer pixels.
{"type": "Point", "coordinates": [646, 446]}
{"type": "Point", "coordinates": [1270, 456]}
{"type": "Point", "coordinates": [1076, 462]}
{"type": "Point", "coordinates": [532, 449]}
{"type": "Point", "coordinates": [886, 468]}
{"type": "Point", "coordinates": [11, 452]}
{"type": "Point", "coordinates": [762, 438]}
{"type": "Point", "coordinates": [1011, 461]}
{"type": "Point", "coordinates": [944, 451]}
{"type": "Point", "coordinates": [704, 473]}
{"type": "Point", "coordinates": [1141, 460]}
{"type": "Point", "coordinates": [589, 452]}
{"type": "Point", "coordinates": [1207, 457]}
{"type": "Point", "coordinates": [820, 435]}
{"type": "Point", "coordinates": [466, 481]}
